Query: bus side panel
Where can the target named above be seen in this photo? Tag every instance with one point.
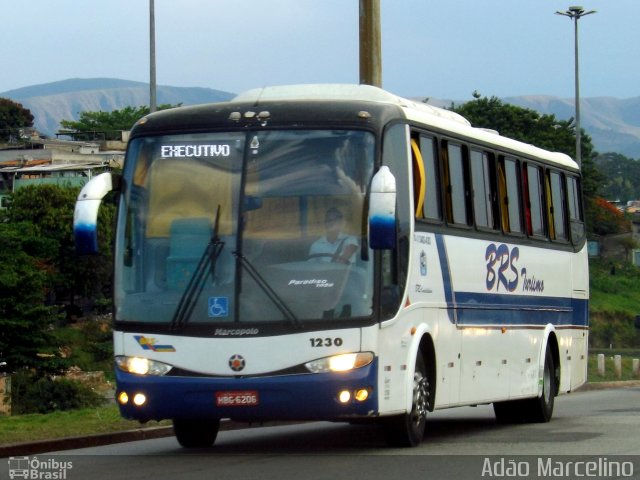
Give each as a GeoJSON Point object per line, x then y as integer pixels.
{"type": "Point", "coordinates": [429, 277]}
{"type": "Point", "coordinates": [424, 312]}
{"type": "Point", "coordinates": [394, 348]}
{"type": "Point", "coordinates": [573, 358]}
{"type": "Point", "coordinates": [580, 274]}
{"type": "Point", "coordinates": [503, 296]}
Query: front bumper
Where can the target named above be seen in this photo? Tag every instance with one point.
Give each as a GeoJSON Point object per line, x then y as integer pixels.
{"type": "Point", "coordinates": [286, 397]}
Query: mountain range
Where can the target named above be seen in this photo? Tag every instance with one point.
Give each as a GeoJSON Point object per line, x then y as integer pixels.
{"type": "Point", "coordinates": [612, 123]}
{"type": "Point", "coordinates": [64, 100]}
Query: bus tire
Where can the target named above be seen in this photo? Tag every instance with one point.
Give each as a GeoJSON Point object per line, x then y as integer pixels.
{"type": "Point", "coordinates": [532, 410]}
{"type": "Point", "coordinates": [407, 430]}
{"type": "Point", "coordinates": [540, 410]}
{"type": "Point", "coordinates": [196, 433]}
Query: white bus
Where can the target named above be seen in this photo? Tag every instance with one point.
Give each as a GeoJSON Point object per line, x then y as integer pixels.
{"type": "Point", "coordinates": [335, 252]}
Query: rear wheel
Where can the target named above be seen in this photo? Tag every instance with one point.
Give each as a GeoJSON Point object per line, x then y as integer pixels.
{"type": "Point", "coordinates": [407, 430]}
{"type": "Point", "coordinates": [534, 410]}
{"type": "Point", "coordinates": [540, 410]}
{"type": "Point", "coordinates": [192, 433]}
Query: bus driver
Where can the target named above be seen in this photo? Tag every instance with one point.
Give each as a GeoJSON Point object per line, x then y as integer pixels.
{"type": "Point", "coordinates": [334, 246]}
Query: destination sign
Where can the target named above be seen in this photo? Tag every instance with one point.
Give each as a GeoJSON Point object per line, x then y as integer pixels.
{"type": "Point", "coordinates": [188, 151]}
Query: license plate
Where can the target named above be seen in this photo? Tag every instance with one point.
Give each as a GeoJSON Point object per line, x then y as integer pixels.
{"type": "Point", "coordinates": [242, 398]}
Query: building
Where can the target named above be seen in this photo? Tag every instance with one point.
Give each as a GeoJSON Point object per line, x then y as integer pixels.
{"type": "Point", "coordinates": [60, 162]}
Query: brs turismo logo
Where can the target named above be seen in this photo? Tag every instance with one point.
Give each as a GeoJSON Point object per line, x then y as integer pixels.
{"type": "Point", "coordinates": [502, 270]}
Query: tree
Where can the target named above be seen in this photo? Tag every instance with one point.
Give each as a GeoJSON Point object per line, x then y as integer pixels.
{"type": "Point", "coordinates": [13, 117]}
{"type": "Point", "coordinates": [606, 219]}
{"type": "Point", "coordinates": [24, 281]}
{"type": "Point", "coordinates": [105, 125]}
{"type": "Point", "coordinates": [621, 176]}
{"type": "Point", "coordinates": [49, 208]}
{"type": "Point", "coordinates": [526, 125]}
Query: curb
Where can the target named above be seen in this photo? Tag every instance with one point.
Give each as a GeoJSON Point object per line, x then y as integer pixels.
{"type": "Point", "coordinates": [605, 385]}
{"type": "Point", "coordinates": [123, 436]}
{"type": "Point", "coordinates": [70, 443]}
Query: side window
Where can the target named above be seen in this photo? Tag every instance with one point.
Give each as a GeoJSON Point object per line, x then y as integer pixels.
{"type": "Point", "coordinates": [431, 208]}
{"type": "Point", "coordinates": [534, 213]}
{"type": "Point", "coordinates": [484, 191]}
{"type": "Point", "coordinates": [576, 216]}
{"type": "Point", "coordinates": [509, 195]}
{"type": "Point", "coordinates": [556, 207]}
{"type": "Point", "coordinates": [456, 184]}
{"type": "Point", "coordinates": [395, 155]}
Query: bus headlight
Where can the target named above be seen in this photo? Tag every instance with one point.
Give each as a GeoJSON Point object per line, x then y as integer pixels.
{"type": "Point", "coordinates": [340, 363]}
{"type": "Point", "coordinates": [142, 366]}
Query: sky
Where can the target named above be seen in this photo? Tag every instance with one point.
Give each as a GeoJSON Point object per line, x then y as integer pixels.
{"type": "Point", "coordinates": [443, 49]}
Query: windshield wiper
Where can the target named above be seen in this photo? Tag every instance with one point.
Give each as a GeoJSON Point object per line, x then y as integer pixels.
{"type": "Point", "coordinates": [197, 281]}
{"type": "Point", "coordinates": [266, 288]}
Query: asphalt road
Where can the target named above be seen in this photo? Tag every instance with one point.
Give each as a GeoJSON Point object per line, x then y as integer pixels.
{"type": "Point", "coordinates": [597, 430]}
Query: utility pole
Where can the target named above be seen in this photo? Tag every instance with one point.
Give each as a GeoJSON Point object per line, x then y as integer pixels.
{"type": "Point", "coordinates": [370, 43]}
{"type": "Point", "coordinates": [152, 57]}
{"type": "Point", "coordinates": [575, 13]}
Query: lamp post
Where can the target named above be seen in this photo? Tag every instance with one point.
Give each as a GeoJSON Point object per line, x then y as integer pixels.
{"type": "Point", "coordinates": [576, 13]}
{"type": "Point", "coordinates": [152, 57]}
{"type": "Point", "coordinates": [370, 43]}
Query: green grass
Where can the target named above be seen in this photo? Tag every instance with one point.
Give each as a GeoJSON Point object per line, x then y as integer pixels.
{"type": "Point", "coordinates": [88, 345]}
{"type": "Point", "coordinates": [609, 374]}
{"type": "Point", "coordinates": [33, 427]}
{"type": "Point", "coordinates": [617, 292]}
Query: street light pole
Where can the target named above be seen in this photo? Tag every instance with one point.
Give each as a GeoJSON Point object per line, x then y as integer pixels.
{"type": "Point", "coordinates": [152, 57]}
{"type": "Point", "coordinates": [370, 43]}
{"type": "Point", "coordinates": [575, 13]}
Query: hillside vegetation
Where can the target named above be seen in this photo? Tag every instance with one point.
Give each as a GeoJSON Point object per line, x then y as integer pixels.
{"type": "Point", "coordinates": [615, 303]}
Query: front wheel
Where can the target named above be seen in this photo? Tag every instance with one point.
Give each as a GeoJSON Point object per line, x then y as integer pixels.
{"type": "Point", "coordinates": [192, 433]}
{"type": "Point", "coordinates": [407, 430]}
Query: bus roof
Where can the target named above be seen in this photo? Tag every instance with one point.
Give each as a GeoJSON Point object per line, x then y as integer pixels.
{"type": "Point", "coordinates": [416, 111]}
{"type": "Point", "coordinates": [335, 103]}
{"type": "Point", "coordinates": [344, 92]}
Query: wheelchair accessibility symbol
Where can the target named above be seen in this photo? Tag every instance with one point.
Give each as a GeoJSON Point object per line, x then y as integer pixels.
{"type": "Point", "coordinates": [218, 307]}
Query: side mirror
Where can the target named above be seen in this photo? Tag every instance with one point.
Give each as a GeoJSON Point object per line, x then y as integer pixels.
{"type": "Point", "coordinates": [85, 215]}
{"type": "Point", "coordinates": [382, 210]}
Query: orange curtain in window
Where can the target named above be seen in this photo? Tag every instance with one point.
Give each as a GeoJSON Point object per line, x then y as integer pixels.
{"type": "Point", "coordinates": [527, 201]}
{"type": "Point", "coordinates": [504, 200]}
{"type": "Point", "coordinates": [419, 180]}
{"type": "Point", "coordinates": [550, 214]}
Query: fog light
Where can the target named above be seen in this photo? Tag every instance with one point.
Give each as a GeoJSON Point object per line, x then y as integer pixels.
{"type": "Point", "coordinates": [123, 398]}
{"type": "Point", "coordinates": [139, 399]}
{"type": "Point", "coordinates": [361, 395]}
{"type": "Point", "coordinates": [344, 396]}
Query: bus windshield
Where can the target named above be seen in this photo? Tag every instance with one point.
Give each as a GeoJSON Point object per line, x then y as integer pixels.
{"type": "Point", "coordinates": [245, 227]}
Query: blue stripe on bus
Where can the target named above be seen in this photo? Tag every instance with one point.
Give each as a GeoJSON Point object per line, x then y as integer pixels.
{"type": "Point", "coordinates": [469, 308]}
{"type": "Point", "coordinates": [494, 309]}
{"type": "Point", "coordinates": [446, 276]}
